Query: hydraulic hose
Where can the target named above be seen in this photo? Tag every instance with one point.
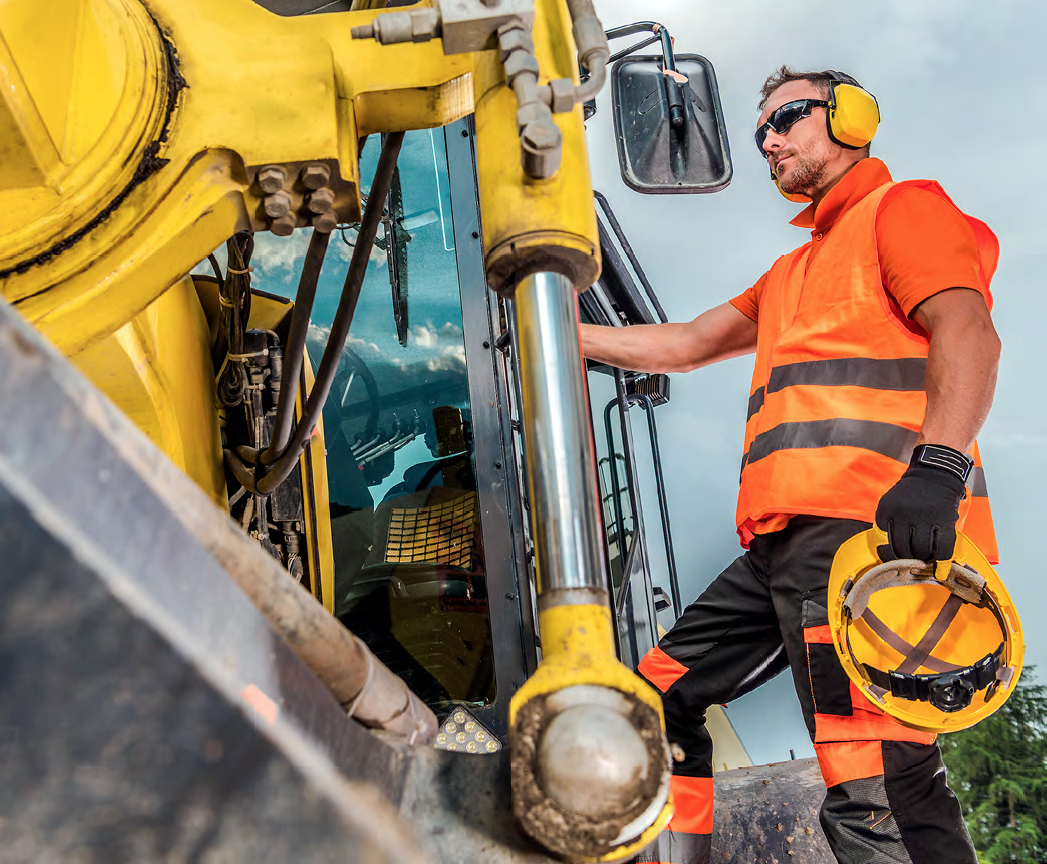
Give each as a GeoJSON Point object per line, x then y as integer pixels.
{"type": "Point", "coordinates": [592, 48]}
{"type": "Point", "coordinates": [295, 352]}
{"type": "Point", "coordinates": [343, 320]}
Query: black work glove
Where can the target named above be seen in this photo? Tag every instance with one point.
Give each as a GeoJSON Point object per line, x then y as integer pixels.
{"type": "Point", "coordinates": [919, 514]}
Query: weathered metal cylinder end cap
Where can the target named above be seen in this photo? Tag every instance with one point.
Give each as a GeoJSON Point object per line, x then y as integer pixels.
{"type": "Point", "coordinates": [592, 761]}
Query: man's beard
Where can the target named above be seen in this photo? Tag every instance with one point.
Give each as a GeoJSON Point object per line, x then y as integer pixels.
{"type": "Point", "coordinates": [806, 173]}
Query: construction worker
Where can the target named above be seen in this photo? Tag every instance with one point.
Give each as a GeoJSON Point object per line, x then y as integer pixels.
{"type": "Point", "coordinates": [875, 367]}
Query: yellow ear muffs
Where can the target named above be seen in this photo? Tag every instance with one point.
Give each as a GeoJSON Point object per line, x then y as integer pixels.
{"type": "Point", "coordinates": [789, 196]}
{"type": "Point", "coordinates": [853, 113]}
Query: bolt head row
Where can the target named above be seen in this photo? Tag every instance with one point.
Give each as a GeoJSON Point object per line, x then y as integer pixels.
{"type": "Point", "coordinates": [319, 203]}
{"type": "Point", "coordinates": [273, 178]}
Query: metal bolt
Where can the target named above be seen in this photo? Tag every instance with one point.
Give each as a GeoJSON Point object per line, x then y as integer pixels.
{"type": "Point", "coordinates": [513, 23]}
{"type": "Point", "coordinates": [271, 178]}
{"type": "Point", "coordinates": [515, 40]}
{"type": "Point", "coordinates": [529, 113]}
{"type": "Point", "coordinates": [540, 149]}
{"type": "Point", "coordinates": [541, 135]}
{"type": "Point", "coordinates": [520, 63]}
{"type": "Point", "coordinates": [276, 205]}
{"type": "Point", "coordinates": [314, 175]}
{"type": "Point", "coordinates": [326, 222]}
{"type": "Point", "coordinates": [283, 226]}
{"type": "Point", "coordinates": [321, 200]}
{"type": "Point", "coordinates": [562, 90]}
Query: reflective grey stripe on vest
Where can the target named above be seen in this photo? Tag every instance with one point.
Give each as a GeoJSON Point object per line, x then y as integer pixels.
{"type": "Point", "coordinates": [907, 373]}
{"type": "Point", "coordinates": [895, 442]}
{"type": "Point", "coordinates": [977, 483]}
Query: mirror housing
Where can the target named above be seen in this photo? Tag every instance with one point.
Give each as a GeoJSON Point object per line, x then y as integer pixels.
{"type": "Point", "coordinates": [656, 156]}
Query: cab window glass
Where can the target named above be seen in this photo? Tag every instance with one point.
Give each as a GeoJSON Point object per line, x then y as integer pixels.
{"type": "Point", "coordinates": [405, 518]}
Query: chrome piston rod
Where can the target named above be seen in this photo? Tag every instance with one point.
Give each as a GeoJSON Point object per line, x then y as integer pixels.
{"type": "Point", "coordinates": [562, 470]}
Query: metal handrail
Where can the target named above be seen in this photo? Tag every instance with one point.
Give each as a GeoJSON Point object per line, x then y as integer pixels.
{"type": "Point", "coordinates": [663, 507]}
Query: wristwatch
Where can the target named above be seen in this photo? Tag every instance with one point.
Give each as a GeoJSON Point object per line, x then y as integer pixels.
{"type": "Point", "coordinates": [945, 458]}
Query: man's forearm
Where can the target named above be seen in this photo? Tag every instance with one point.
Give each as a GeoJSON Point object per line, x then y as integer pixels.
{"type": "Point", "coordinates": [639, 348]}
{"type": "Point", "coordinates": [961, 379]}
{"type": "Point", "coordinates": [714, 335]}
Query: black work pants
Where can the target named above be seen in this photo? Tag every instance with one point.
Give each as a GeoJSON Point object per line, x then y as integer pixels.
{"type": "Point", "coordinates": [886, 798]}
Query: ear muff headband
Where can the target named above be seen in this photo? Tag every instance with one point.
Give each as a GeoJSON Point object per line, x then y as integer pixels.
{"type": "Point", "coordinates": [853, 113]}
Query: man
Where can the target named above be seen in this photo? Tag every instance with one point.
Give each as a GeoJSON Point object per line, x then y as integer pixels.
{"type": "Point", "coordinates": [872, 340]}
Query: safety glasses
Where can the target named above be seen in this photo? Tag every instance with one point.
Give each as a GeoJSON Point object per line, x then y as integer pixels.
{"type": "Point", "coordinates": [783, 118]}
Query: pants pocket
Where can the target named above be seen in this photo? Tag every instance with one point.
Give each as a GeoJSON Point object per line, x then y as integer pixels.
{"type": "Point", "coordinates": [830, 686]}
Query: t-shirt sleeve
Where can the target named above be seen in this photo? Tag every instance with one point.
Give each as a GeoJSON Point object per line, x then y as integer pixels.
{"type": "Point", "coordinates": [748, 302]}
{"type": "Point", "coordinates": [925, 246]}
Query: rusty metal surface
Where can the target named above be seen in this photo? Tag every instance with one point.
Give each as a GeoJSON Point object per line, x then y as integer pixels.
{"type": "Point", "coordinates": [459, 805]}
{"type": "Point", "coordinates": [769, 815]}
{"type": "Point", "coordinates": [115, 747]}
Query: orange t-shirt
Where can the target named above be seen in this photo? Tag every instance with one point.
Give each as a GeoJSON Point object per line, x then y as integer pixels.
{"type": "Point", "coordinates": [924, 246]}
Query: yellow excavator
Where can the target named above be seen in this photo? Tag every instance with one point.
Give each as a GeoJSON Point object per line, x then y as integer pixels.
{"type": "Point", "coordinates": [317, 543]}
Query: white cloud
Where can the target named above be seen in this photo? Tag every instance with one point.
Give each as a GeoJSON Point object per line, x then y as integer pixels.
{"type": "Point", "coordinates": [277, 257]}
{"type": "Point", "coordinates": [451, 358]}
{"type": "Point", "coordinates": [341, 241]}
{"type": "Point", "coordinates": [318, 336]}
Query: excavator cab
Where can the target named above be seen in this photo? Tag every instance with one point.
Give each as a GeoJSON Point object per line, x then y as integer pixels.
{"type": "Point", "coordinates": [428, 556]}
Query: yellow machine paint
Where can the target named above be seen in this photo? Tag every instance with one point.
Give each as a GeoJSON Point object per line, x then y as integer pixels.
{"type": "Point", "coordinates": [130, 139]}
{"type": "Point", "coordinates": [191, 112]}
{"type": "Point", "coordinates": [130, 143]}
{"type": "Point", "coordinates": [157, 370]}
{"type": "Point", "coordinates": [528, 224]}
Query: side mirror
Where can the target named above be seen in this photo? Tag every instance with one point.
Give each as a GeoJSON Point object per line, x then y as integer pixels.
{"type": "Point", "coordinates": [669, 125]}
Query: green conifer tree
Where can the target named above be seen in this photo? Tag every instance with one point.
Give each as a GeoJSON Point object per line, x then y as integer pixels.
{"type": "Point", "coordinates": [998, 770]}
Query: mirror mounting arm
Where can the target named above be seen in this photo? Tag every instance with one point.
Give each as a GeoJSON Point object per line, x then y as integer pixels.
{"type": "Point", "coordinates": [660, 33]}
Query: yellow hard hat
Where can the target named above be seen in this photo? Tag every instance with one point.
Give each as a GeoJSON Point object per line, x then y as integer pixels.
{"type": "Point", "coordinates": [938, 649]}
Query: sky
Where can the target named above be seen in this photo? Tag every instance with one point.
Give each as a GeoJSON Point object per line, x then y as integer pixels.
{"type": "Point", "coordinates": [960, 91]}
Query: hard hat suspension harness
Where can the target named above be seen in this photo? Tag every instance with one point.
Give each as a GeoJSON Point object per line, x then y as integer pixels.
{"type": "Point", "coordinates": [951, 688]}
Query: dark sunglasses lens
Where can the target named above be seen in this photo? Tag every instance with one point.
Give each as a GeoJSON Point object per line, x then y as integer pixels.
{"type": "Point", "coordinates": [781, 120]}
{"type": "Point", "coordinates": [761, 136]}
{"type": "Point", "coordinates": [785, 116]}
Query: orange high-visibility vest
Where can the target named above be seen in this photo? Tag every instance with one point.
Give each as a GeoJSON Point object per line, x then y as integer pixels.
{"type": "Point", "coordinates": [837, 396]}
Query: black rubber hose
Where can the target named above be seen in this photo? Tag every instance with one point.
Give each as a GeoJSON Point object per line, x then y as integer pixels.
{"type": "Point", "coordinates": [294, 353]}
{"type": "Point", "coordinates": [343, 319]}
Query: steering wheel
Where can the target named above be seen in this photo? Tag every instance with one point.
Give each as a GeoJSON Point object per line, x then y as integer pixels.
{"type": "Point", "coordinates": [352, 368]}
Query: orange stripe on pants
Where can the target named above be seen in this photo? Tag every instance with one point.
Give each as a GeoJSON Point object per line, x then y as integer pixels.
{"type": "Point", "coordinates": [865, 723]}
{"type": "Point", "coordinates": [660, 669]}
{"type": "Point", "coordinates": [843, 761]}
{"type": "Point", "coordinates": [692, 804]}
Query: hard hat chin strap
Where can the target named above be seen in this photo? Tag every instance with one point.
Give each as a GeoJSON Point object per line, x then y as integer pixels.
{"type": "Point", "coordinates": [951, 688]}
{"type": "Point", "coordinates": [946, 691]}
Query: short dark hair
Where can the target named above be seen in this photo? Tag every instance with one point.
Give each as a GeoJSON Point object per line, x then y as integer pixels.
{"type": "Point", "coordinates": [784, 74]}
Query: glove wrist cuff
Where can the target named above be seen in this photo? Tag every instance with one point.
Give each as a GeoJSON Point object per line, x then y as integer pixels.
{"type": "Point", "coordinates": [944, 459]}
